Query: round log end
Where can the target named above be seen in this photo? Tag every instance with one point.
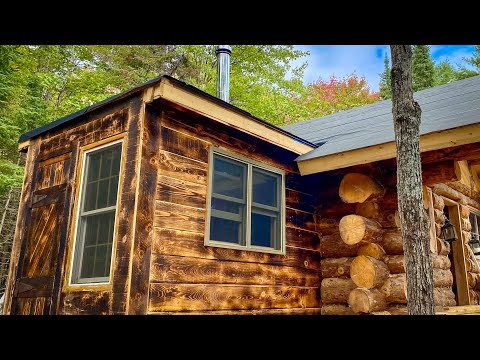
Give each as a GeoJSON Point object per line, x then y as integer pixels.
{"type": "Point", "coordinates": [352, 229]}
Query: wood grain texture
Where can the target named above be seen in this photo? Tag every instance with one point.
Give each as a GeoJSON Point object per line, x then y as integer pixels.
{"type": "Point", "coordinates": [183, 243]}
{"type": "Point", "coordinates": [299, 200]}
{"type": "Point", "coordinates": [179, 217]}
{"type": "Point", "coordinates": [300, 219]}
{"type": "Point", "coordinates": [181, 192]}
{"type": "Point", "coordinates": [301, 238]}
{"type": "Point", "coordinates": [145, 211]}
{"type": "Point", "coordinates": [288, 311]}
{"type": "Point", "coordinates": [23, 220]}
{"type": "Point", "coordinates": [86, 303]}
{"type": "Point", "coordinates": [336, 290]}
{"type": "Point", "coordinates": [182, 144]}
{"type": "Point", "coordinates": [182, 168]}
{"type": "Point", "coordinates": [94, 127]}
{"type": "Point", "coordinates": [182, 297]}
{"type": "Point", "coordinates": [180, 269]}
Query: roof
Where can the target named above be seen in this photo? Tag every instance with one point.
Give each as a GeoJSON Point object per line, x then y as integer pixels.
{"type": "Point", "coordinates": [443, 107]}
{"type": "Point", "coordinates": [71, 118]}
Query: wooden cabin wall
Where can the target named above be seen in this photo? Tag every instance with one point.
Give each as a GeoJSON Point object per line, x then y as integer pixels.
{"type": "Point", "coordinates": [43, 240]}
{"type": "Point", "coordinates": [357, 219]}
{"type": "Point", "coordinates": [187, 276]}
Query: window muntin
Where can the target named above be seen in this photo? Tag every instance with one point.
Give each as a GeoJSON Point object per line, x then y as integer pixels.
{"type": "Point", "coordinates": [246, 204]}
{"type": "Point", "coordinates": [96, 217]}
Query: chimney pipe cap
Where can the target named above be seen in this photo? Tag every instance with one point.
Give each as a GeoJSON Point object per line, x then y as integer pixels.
{"type": "Point", "coordinates": [223, 49]}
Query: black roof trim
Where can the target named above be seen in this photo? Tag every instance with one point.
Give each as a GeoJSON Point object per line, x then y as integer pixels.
{"type": "Point", "coordinates": [72, 117]}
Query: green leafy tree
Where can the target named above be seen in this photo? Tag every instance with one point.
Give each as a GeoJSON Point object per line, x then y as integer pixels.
{"type": "Point", "coordinates": [327, 97]}
{"type": "Point", "coordinates": [385, 80]}
{"type": "Point", "coordinates": [475, 59]}
{"type": "Point", "coordinates": [445, 73]}
{"type": "Point", "coordinates": [423, 68]}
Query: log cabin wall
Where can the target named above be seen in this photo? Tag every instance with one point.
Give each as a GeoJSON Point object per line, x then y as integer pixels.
{"type": "Point", "coordinates": [43, 240]}
{"type": "Point", "coordinates": [363, 264]}
{"type": "Point", "coordinates": [188, 277]}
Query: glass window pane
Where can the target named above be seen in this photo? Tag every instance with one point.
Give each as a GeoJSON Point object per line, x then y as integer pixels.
{"type": "Point", "coordinates": [93, 253]}
{"type": "Point", "coordinates": [106, 164]}
{"type": "Point", "coordinates": [93, 166]}
{"type": "Point", "coordinates": [265, 187]}
{"type": "Point", "coordinates": [229, 177]}
{"type": "Point", "coordinates": [112, 194]}
{"type": "Point", "coordinates": [265, 229]}
{"type": "Point", "coordinates": [102, 193]}
{"type": "Point", "coordinates": [226, 230]}
{"type": "Point", "coordinates": [228, 206]}
{"type": "Point", "coordinates": [90, 201]}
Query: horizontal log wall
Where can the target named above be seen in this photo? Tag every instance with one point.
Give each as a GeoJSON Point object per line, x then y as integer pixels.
{"type": "Point", "coordinates": [189, 277]}
{"type": "Point", "coordinates": [349, 200]}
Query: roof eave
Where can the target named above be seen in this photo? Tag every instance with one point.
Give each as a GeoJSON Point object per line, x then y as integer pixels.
{"type": "Point", "coordinates": [432, 141]}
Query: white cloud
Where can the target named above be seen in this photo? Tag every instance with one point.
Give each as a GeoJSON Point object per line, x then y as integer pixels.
{"type": "Point", "coordinates": [343, 60]}
{"type": "Point", "coordinates": [365, 60]}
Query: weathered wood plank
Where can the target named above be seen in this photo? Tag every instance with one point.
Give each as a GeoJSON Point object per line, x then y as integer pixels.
{"type": "Point", "coordinates": [142, 247]}
{"type": "Point", "coordinates": [104, 126]}
{"type": "Point", "coordinates": [50, 195]}
{"type": "Point", "coordinates": [40, 286]}
{"type": "Point", "coordinates": [86, 303]}
{"type": "Point", "coordinates": [300, 219]}
{"type": "Point", "coordinates": [217, 134]}
{"type": "Point", "coordinates": [173, 216]}
{"type": "Point", "coordinates": [181, 297]}
{"type": "Point", "coordinates": [181, 144]}
{"type": "Point", "coordinates": [180, 269]}
{"type": "Point", "coordinates": [32, 306]}
{"type": "Point", "coordinates": [302, 238]}
{"type": "Point", "coordinates": [182, 168]}
{"type": "Point", "coordinates": [291, 311]}
{"type": "Point", "coordinates": [182, 243]}
{"type": "Point", "coordinates": [299, 200]}
{"type": "Point", "coordinates": [181, 192]}
{"type": "Point", "coordinates": [23, 220]}
{"type": "Point", "coordinates": [125, 232]}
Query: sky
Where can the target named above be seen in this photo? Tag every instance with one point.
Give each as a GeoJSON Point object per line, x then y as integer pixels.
{"type": "Point", "coordinates": [367, 60]}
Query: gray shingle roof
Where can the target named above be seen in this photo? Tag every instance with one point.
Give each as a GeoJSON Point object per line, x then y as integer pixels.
{"type": "Point", "coordinates": [443, 107]}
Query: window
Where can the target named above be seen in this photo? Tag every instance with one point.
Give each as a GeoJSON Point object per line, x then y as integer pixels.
{"type": "Point", "coordinates": [475, 233]}
{"type": "Point", "coordinates": [246, 204]}
{"type": "Point", "coordinates": [96, 215]}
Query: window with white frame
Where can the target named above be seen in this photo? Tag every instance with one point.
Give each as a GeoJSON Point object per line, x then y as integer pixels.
{"type": "Point", "coordinates": [96, 215]}
{"type": "Point", "coordinates": [246, 204]}
{"type": "Point", "coordinates": [475, 233]}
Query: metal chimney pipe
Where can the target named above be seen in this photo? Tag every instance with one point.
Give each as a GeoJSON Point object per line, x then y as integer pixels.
{"type": "Point", "coordinates": [223, 72]}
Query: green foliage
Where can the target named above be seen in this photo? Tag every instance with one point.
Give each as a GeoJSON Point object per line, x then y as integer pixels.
{"type": "Point", "coordinates": [385, 80]}
{"type": "Point", "coordinates": [475, 59]}
{"type": "Point", "coordinates": [423, 68]}
{"type": "Point", "coordinates": [326, 97]}
{"type": "Point", "coordinates": [445, 73]}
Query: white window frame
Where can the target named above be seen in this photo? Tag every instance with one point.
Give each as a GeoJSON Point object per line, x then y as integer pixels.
{"type": "Point", "coordinates": [250, 164]}
{"type": "Point", "coordinates": [74, 262]}
{"type": "Point", "coordinates": [477, 214]}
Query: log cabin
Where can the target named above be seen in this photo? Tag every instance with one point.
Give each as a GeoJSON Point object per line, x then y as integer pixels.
{"type": "Point", "coordinates": [166, 200]}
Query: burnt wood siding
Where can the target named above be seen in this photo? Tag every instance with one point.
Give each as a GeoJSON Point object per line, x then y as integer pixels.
{"type": "Point", "coordinates": [187, 276]}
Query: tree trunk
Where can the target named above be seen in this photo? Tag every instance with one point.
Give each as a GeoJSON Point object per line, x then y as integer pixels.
{"type": "Point", "coordinates": [414, 223]}
{"type": "Point", "coordinates": [339, 267]}
{"type": "Point", "coordinates": [336, 290]}
{"type": "Point", "coordinates": [355, 229]}
{"type": "Point", "coordinates": [368, 272]}
{"type": "Point", "coordinates": [366, 301]}
{"type": "Point", "coordinates": [357, 188]}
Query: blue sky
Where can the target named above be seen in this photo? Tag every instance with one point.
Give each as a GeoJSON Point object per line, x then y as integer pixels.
{"type": "Point", "coordinates": [367, 60]}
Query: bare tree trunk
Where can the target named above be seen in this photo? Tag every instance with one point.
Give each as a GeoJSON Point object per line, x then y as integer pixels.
{"type": "Point", "coordinates": [413, 220]}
